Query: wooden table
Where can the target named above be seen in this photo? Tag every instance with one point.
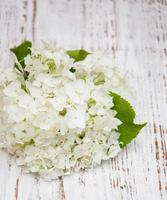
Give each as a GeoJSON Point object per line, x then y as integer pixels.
{"type": "Point", "coordinates": [135, 32]}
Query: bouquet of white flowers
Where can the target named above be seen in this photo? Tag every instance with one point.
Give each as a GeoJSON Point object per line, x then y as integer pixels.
{"type": "Point", "coordinates": [61, 111]}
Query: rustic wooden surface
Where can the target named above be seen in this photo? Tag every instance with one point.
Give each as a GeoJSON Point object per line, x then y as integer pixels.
{"type": "Point", "coordinates": [135, 32]}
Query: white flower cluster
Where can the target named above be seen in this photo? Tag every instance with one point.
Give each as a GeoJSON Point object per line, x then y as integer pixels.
{"type": "Point", "coordinates": [59, 120]}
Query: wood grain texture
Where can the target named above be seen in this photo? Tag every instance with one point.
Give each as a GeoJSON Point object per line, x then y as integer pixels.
{"type": "Point", "coordinates": [135, 32]}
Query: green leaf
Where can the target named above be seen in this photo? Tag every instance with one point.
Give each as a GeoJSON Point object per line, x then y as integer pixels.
{"type": "Point", "coordinates": [128, 132]}
{"type": "Point", "coordinates": [125, 113]}
{"type": "Point", "coordinates": [22, 51]}
{"type": "Point", "coordinates": [78, 54]}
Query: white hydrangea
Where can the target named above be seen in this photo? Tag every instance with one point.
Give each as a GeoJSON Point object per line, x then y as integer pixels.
{"type": "Point", "coordinates": [57, 121]}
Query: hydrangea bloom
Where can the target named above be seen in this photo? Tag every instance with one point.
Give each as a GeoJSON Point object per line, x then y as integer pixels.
{"type": "Point", "coordinates": [59, 119]}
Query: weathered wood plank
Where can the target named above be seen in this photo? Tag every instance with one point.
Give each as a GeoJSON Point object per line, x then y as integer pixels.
{"type": "Point", "coordinates": [135, 32]}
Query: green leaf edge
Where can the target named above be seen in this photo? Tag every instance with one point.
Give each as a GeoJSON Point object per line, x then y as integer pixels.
{"type": "Point", "coordinates": [78, 54]}
{"type": "Point", "coordinates": [21, 51]}
{"type": "Point", "coordinates": [125, 113]}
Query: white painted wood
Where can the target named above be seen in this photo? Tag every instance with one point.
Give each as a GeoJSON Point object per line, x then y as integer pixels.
{"type": "Point", "coordinates": [135, 32]}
